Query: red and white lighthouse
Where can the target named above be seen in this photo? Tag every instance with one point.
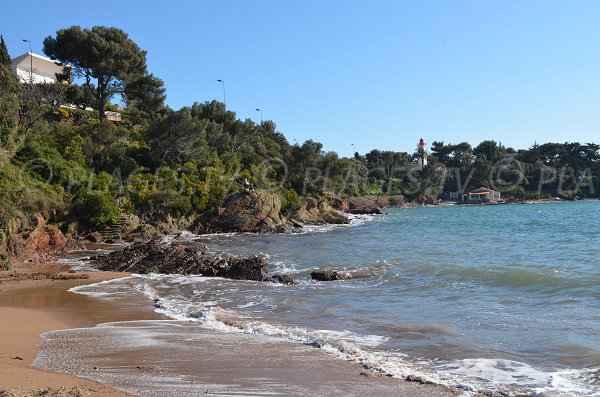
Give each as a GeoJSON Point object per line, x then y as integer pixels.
{"type": "Point", "coordinates": [422, 151]}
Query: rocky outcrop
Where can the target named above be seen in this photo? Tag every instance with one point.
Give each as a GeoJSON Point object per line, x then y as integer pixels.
{"type": "Point", "coordinates": [133, 228]}
{"type": "Point", "coordinates": [328, 275]}
{"type": "Point", "coordinates": [31, 240]}
{"type": "Point", "coordinates": [130, 223]}
{"type": "Point", "coordinates": [94, 237]}
{"type": "Point", "coordinates": [40, 242]}
{"type": "Point", "coordinates": [44, 237]}
{"type": "Point", "coordinates": [144, 231]}
{"type": "Point", "coordinates": [157, 256]}
{"type": "Point", "coordinates": [354, 205]}
{"type": "Point", "coordinates": [172, 225]}
{"type": "Point", "coordinates": [255, 211]}
{"type": "Point", "coordinates": [317, 212]}
{"type": "Point", "coordinates": [363, 205]}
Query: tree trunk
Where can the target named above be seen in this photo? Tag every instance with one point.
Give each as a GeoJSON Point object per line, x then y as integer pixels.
{"type": "Point", "coordinates": [101, 100]}
{"type": "Point", "coordinates": [101, 111]}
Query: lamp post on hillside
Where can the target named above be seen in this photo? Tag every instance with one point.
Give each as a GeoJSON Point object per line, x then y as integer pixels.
{"type": "Point", "coordinates": [223, 83]}
{"type": "Point", "coordinates": [259, 110]}
{"type": "Point", "coordinates": [30, 62]}
{"type": "Point", "coordinates": [353, 149]}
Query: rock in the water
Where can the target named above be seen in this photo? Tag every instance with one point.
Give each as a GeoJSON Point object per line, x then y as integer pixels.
{"type": "Point", "coordinates": [250, 268]}
{"type": "Point", "coordinates": [156, 256]}
{"type": "Point", "coordinates": [283, 279]}
{"type": "Point", "coordinates": [255, 211]}
{"type": "Point", "coordinates": [296, 224]}
{"type": "Point", "coordinates": [328, 275]}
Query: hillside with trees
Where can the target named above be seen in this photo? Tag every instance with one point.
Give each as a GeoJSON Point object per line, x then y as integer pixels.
{"type": "Point", "coordinates": [82, 172]}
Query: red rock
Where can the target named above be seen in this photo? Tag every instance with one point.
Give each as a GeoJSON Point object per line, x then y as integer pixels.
{"type": "Point", "coordinates": [44, 236]}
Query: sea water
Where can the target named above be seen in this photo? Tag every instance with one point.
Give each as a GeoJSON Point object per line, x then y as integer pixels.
{"type": "Point", "coordinates": [485, 298]}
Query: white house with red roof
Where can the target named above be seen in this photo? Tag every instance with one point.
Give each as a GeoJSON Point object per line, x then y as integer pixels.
{"type": "Point", "coordinates": [479, 195]}
{"type": "Point", "coordinates": [482, 194]}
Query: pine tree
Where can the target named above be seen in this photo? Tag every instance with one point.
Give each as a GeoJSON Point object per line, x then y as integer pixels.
{"type": "Point", "coordinates": [4, 57]}
{"type": "Point", "coordinates": [106, 55]}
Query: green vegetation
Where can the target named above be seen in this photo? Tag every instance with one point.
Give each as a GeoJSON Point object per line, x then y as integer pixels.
{"type": "Point", "coordinates": [71, 164]}
{"type": "Point", "coordinates": [108, 56]}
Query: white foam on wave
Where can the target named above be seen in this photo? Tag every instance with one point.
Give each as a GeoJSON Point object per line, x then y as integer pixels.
{"type": "Point", "coordinates": [78, 264]}
{"type": "Point", "coordinates": [376, 270]}
{"type": "Point", "coordinates": [186, 235]}
{"type": "Point", "coordinates": [246, 305]}
{"type": "Point", "coordinates": [212, 236]}
{"type": "Point", "coordinates": [173, 278]}
{"type": "Point", "coordinates": [309, 229]}
{"type": "Point", "coordinates": [345, 344]}
{"type": "Point", "coordinates": [82, 263]}
{"type": "Point", "coordinates": [101, 289]}
{"type": "Point", "coordinates": [497, 371]}
{"type": "Point", "coordinates": [507, 372]}
{"type": "Point", "coordinates": [363, 340]}
{"type": "Point", "coordinates": [283, 267]}
{"type": "Point", "coordinates": [355, 220]}
{"type": "Point", "coordinates": [471, 375]}
{"type": "Point", "coordinates": [361, 219]}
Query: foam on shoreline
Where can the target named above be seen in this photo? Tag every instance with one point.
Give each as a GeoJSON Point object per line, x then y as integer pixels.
{"type": "Point", "coordinates": [488, 311]}
{"type": "Point", "coordinates": [476, 375]}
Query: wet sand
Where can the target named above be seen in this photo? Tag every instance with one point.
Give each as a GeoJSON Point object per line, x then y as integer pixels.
{"type": "Point", "coordinates": [221, 363]}
{"type": "Point", "coordinates": [25, 315]}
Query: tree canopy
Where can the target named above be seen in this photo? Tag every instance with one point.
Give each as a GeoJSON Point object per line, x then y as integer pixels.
{"type": "Point", "coordinates": [4, 57]}
{"type": "Point", "coordinates": [104, 56]}
{"type": "Point", "coordinates": [145, 96]}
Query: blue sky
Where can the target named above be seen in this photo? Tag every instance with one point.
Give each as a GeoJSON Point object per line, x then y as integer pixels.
{"type": "Point", "coordinates": [377, 74]}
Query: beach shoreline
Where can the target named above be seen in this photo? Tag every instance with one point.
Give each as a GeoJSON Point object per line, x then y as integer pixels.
{"type": "Point", "coordinates": [34, 307]}
{"type": "Point", "coordinates": [26, 317]}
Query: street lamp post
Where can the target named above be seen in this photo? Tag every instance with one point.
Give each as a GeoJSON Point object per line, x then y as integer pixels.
{"type": "Point", "coordinates": [223, 83]}
{"type": "Point", "coordinates": [30, 62]}
{"type": "Point", "coordinates": [353, 149]}
{"type": "Point", "coordinates": [260, 110]}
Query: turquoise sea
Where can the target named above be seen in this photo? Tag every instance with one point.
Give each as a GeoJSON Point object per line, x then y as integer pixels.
{"type": "Point", "coordinates": [487, 298]}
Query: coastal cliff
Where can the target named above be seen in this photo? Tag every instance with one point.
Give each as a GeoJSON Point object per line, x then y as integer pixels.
{"type": "Point", "coordinates": [255, 211]}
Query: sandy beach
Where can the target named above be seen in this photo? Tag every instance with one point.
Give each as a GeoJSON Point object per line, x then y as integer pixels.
{"type": "Point", "coordinates": [25, 316]}
{"type": "Point", "coordinates": [32, 307]}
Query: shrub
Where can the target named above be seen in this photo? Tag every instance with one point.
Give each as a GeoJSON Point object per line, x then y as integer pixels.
{"type": "Point", "coordinates": [64, 113]}
{"type": "Point", "coordinates": [289, 200]}
{"type": "Point", "coordinates": [97, 209]}
{"type": "Point", "coordinates": [171, 202]}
